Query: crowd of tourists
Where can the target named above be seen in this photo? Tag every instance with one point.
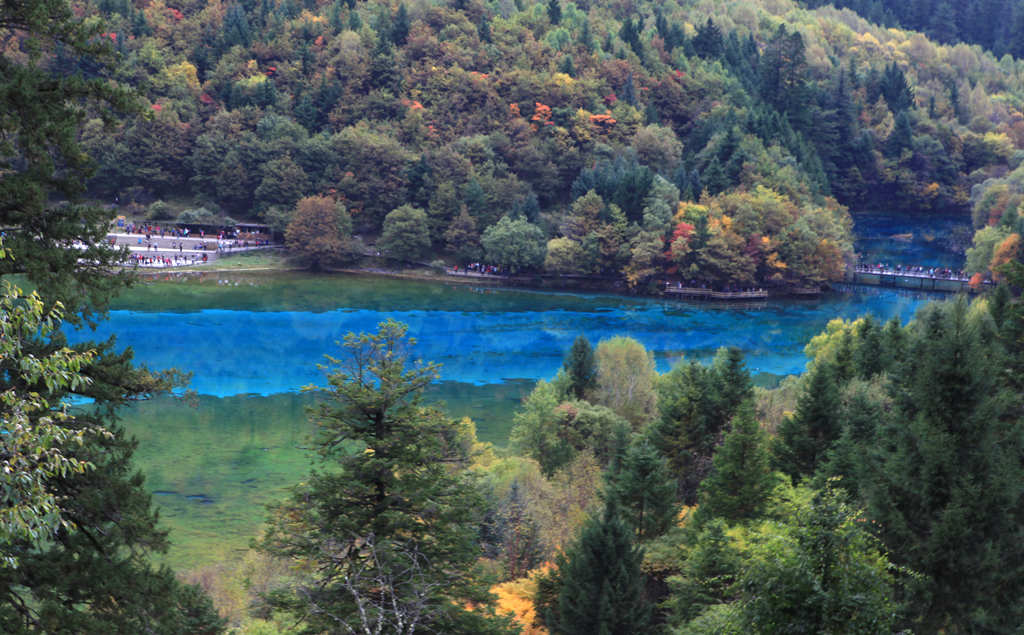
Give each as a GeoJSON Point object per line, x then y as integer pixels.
{"type": "Point", "coordinates": [177, 260]}
{"type": "Point", "coordinates": [914, 271]}
{"type": "Point", "coordinates": [479, 268]}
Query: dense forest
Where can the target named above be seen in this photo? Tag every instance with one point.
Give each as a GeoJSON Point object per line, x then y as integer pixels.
{"type": "Point", "coordinates": [879, 492]}
{"type": "Point", "coordinates": [635, 140]}
{"type": "Point", "coordinates": [997, 25]}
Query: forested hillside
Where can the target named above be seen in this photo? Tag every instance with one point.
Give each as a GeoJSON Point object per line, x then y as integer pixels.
{"type": "Point", "coordinates": [585, 124]}
{"type": "Point", "coordinates": [997, 25]}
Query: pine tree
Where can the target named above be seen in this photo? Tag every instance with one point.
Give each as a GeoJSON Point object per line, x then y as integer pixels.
{"type": "Point", "coordinates": [945, 483]}
{"type": "Point", "coordinates": [867, 358]}
{"type": "Point", "coordinates": [708, 42]}
{"type": "Point", "coordinates": [41, 113]}
{"type": "Point", "coordinates": [641, 487]}
{"type": "Point", "coordinates": [89, 571]}
{"type": "Point", "coordinates": [731, 384]}
{"type": "Point", "coordinates": [844, 363]}
{"type": "Point", "coordinates": [581, 368]}
{"type": "Point", "coordinates": [389, 520]}
{"type": "Point", "coordinates": [742, 480]}
{"type": "Point", "coordinates": [685, 432]}
{"type": "Point", "coordinates": [902, 136]}
{"type": "Point", "coordinates": [601, 583]}
{"type": "Point", "coordinates": [400, 26]}
{"type": "Point", "coordinates": [806, 436]}
{"type": "Point", "coordinates": [893, 344]}
{"type": "Point", "coordinates": [554, 11]}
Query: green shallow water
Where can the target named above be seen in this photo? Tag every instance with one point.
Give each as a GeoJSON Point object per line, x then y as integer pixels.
{"type": "Point", "coordinates": [252, 341]}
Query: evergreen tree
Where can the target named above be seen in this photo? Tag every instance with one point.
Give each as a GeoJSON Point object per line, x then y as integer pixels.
{"type": "Point", "coordinates": [41, 113]}
{"type": "Point", "coordinates": [896, 90]}
{"type": "Point", "coordinates": [581, 368]}
{"type": "Point", "coordinates": [400, 26]}
{"type": "Point", "coordinates": [945, 482]}
{"type": "Point", "coordinates": [555, 11]}
{"type": "Point", "coordinates": [741, 480]}
{"type": "Point", "coordinates": [236, 27]}
{"type": "Point", "coordinates": [641, 487]}
{"type": "Point", "coordinates": [566, 66]}
{"type": "Point", "coordinates": [902, 136]}
{"type": "Point", "coordinates": [893, 345]}
{"type": "Point", "coordinates": [844, 362]}
{"type": "Point", "coordinates": [806, 436]}
{"type": "Point", "coordinates": [867, 358]}
{"type": "Point", "coordinates": [731, 384]}
{"type": "Point", "coordinates": [685, 432]}
{"type": "Point", "coordinates": [708, 43]}
{"type": "Point", "coordinates": [601, 582]}
{"type": "Point", "coordinates": [389, 520]}
{"type": "Point", "coordinates": [85, 567]}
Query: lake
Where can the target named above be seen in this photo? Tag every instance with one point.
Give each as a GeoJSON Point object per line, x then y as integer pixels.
{"type": "Point", "coordinates": [253, 341]}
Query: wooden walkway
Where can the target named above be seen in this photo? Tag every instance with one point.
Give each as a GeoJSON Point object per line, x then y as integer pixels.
{"type": "Point", "coordinates": [695, 292]}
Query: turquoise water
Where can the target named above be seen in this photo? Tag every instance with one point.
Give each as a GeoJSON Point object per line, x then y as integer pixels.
{"type": "Point", "coordinates": [239, 345]}
{"type": "Point", "coordinates": [252, 342]}
{"type": "Point", "coordinates": [919, 239]}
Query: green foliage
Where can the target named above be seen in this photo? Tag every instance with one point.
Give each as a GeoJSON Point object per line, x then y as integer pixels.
{"type": "Point", "coordinates": [642, 489]}
{"type": "Point", "coordinates": [805, 437]}
{"type": "Point", "coordinates": [942, 479]}
{"type": "Point", "coordinates": [78, 528]}
{"type": "Point", "coordinates": [625, 380]}
{"type": "Point", "coordinates": [387, 523]}
{"type": "Point", "coordinates": [406, 234]}
{"type": "Point", "coordinates": [741, 480]}
{"type": "Point", "coordinates": [813, 568]}
{"type": "Point", "coordinates": [319, 233]}
{"type": "Point", "coordinates": [35, 433]}
{"type": "Point", "coordinates": [580, 368]}
{"type": "Point", "coordinates": [462, 239]}
{"type": "Point", "coordinates": [601, 585]}
{"type": "Point", "coordinates": [515, 245]}
{"type": "Point", "coordinates": [820, 572]}
{"type": "Point", "coordinates": [695, 403]}
{"type": "Point", "coordinates": [554, 432]}
{"type": "Point", "coordinates": [44, 168]}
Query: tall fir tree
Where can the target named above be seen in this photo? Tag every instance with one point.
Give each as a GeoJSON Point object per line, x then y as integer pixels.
{"type": "Point", "coordinates": [742, 479]}
{"type": "Point", "coordinates": [806, 436]}
{"type": "Point", "coordinates": [601, 584]}
{"type": "Point", "coordinates": [581, 368]}
{"type": "Point", "coordinates": [945, 482]}
{"type": "Point", "coordinates": [642, 488]}
{"type": "Point", "coordinates": [389, 519]}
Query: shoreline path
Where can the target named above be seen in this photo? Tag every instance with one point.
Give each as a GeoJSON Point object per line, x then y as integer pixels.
{"type": "Point", "coordinates": [190, 252]}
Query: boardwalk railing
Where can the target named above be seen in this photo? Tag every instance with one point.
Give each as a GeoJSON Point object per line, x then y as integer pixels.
{"type": "Point", "coordinates": [696, 292]}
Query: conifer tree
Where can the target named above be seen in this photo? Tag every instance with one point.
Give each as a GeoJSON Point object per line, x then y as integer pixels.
{"type": "Point", "coordinates": [732, 383]}
{"type": "Point", "coordinates": [554, 11]}
{"type": "Point", "coordinates": [88, 571]}
{"type": "Point", "coordinates": [581, 368]}
{"type": "Point", "coordinates": [741, 480]}
{"type": "Point", "coordinates": [811, 430]}
{"type": "Point", "coordinates": [400, 26]}
{"type": "Point", "coordinates": [945, 484]}
{"type": "Point", "coordinates": [867, 358]}
{"type": "Point", "coordinates": [389, 520]}
{"type": "Point", "coordinates": [601, 585]}
{"type": "Point", "coordinates": [642, 488]}
{"type": "Point", "coordinates": [41, 112]}
{"type": "Point", "coordinates": [683, 432]}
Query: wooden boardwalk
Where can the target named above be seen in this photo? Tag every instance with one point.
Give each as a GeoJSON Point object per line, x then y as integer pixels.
{"type": "Point", "coordinates": [710, 294]}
